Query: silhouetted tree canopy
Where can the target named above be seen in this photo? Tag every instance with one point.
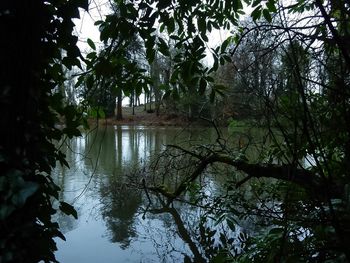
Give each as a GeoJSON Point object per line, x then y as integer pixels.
{"type": "Point", "coordinates": [301, 93]}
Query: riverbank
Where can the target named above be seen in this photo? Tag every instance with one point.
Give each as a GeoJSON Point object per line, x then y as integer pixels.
{"type": "Point", "coordinates": [147, 118]}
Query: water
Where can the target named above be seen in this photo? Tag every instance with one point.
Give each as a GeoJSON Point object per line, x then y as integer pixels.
{"type": "Point", "coordinates": [112, 225]}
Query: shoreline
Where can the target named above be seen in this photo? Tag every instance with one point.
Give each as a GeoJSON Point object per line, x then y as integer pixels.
{"type": "Point", "coordinates": [146, 119]}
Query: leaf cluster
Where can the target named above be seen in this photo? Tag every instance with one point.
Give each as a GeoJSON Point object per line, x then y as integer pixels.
{"type": "Point", "coordinates": [39, 43]}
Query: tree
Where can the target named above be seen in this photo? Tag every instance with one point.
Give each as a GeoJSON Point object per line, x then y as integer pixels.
{"type": "Point", "coordinates": [313, 209]}
{"type": "Point", "coordinates": [112, 73]}
{"type": "Point", "coordinates": [249, 74]}
{"type": "Point", "coordinates": [117, 69]}
{"type": "Point", "coordinates": [37, 42]}
{"type": "Point", "coordinates": [155, 76]}
{"type": "Point", "coordinates": [312, 125]}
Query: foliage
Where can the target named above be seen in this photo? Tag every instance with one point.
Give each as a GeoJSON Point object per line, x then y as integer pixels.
{"type": "Point", "coordinates": [304, 97]}
{"type": "Point", "coordinates": [305, 113]}
{"type": "Point", "coordinates": [37, 42]}
{"type": "Point", "coordinates": [189, 75]}
{"type": "Point", "coordinates": [115, 70]}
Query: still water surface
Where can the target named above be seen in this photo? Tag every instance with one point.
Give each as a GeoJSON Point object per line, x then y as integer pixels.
{"type": "Point", "coordinates": [112, 225]}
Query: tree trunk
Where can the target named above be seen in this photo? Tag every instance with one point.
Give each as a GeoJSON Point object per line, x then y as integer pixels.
{"type": "Point", "coordinates": [150, 99]}
{"type": "Point", "coordinates": [119, 106]}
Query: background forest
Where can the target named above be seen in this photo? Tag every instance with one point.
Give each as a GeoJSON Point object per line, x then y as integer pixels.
{"type": "Point", "coordinates": [283, 68]}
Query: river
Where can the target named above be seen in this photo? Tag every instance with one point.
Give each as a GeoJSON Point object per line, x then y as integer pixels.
{"type": "Point", "coordinates": [112, 224]}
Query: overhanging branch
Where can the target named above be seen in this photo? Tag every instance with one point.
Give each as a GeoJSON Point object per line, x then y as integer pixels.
{"type": "Point", "coordinates": [304, 178]}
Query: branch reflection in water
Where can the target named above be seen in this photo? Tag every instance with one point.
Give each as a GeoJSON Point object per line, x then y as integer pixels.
{"type": "Point", "coordinates": [114, 224]}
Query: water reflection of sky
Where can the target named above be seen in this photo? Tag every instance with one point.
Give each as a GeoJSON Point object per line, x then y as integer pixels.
{"type": "Point", "coordinates": [110, 227]}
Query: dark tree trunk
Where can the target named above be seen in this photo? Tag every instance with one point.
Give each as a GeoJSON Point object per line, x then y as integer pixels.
{"type": "Point", "coordinates": [119, 106]}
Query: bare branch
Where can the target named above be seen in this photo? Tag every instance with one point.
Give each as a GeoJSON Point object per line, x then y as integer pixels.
{"type": "Point", "coordinates": [304, 178]}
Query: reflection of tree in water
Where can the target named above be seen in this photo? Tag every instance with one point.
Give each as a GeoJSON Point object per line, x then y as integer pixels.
{"type": "Point", "coordinates": [100, 150]}
{"type": "Point", "coordinates": [183, 231]}
{"type": "Point", "coordinates": [193, 219]}
{"type": "Point", "coordinates": [60, 175]}
{"type": "Point", "coordinates": [119, 206]}
{"type": "Point", "coordinates": [203, 238]}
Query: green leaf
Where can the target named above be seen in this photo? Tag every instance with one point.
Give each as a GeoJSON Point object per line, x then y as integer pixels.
{"type": "Point", "coordinates": [91, 44]}
{"type": "Point", "coordinates": [99, 22]}
{"type": "Point", "coordinates": [163, 87]}
{"type": "Point", "coordinates": [276, 231]}
{"type": "Point", "coordinates": [256, 14]}
{"type": "Point", "coordinates": [220, 87]}
{"type": "Point", "coordinates": [267, 15]}
{"type": "Point", "coordinates": [209, 26]}
{"type": "Point", "coordinates": [93, 113]}
{"type": "Point", "coordinates": [209, 79]}
{"type": "Point", "coordinates": [204, 37]}
{"type": "Point", "coordinates": [85, 123]}
{"type": "Point", "coordinates": [90, 82]}
{"type": "Point", "coordinates": [231, 225]}
{"type": "Point", "coordinates": [222, 61]}
{"type": "Point", "coordinates": [202, 25]}
{"type": "Point", "coordinates": [271, 6]}
{"type": "Point", "coordinates": [171, 25]}
{"type": "Point", "coordinates": [69, 112]}
{"type": "Point", "coordinates": [163, 47]}
{"type": "Point", "coordinates": [61, 157]}
{"type": "Point", "coordinates": [175, 37]}
{"type": "Point", "coordinates": [187, 259]}
{"type": "Point", "coordinates": [59, 234]}
{"type": "Point", "coordinates": [237, 5]}
{"type": "Point", "coordinates": [202, 86]}
{"type": "Point", "coordinates": [219, 258]}
{"type": "Point", "coordinates": [71, 132]}
{"type": "Point", "coordinates": [256, 2]}
{"type": "Point", "coordinates": [83, 4]}
{"type": "Point", "coordinates": [150, 54]}
{"type": "Point", "coordinates": [68, 209]}
{"type": "Point", "coordinates": [68, 62]}
{"type": "Point", "coordinates": [161, 29]}
{"type": "Point", "coordinates": [166, 94]}
{"type": "Point", "coordinates": [227, 58]}
{"type": "Point", "coordinates": [212, 96]}
{"type": "Point", "coordinates": [91, 55]}
{"type": "Point", "coordinates": [236, 39]}
{"type": "Point", "coordinates": [215, 65]}
{"type": "Point", "coordinates": [79, 81]}
{"type": "Point", "coordinates": [69, 9]}
{"type": "Point", "coordinates": [174, 76]}
{"type": "Point", "coordinates": [225, 44]}
{"type": "Point", "coordinates": [101, 113]}
{"type": "Point", "coordinates": [175, 94]}
{"type": "Point", "coordinates": [163, 4]}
